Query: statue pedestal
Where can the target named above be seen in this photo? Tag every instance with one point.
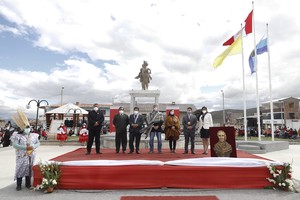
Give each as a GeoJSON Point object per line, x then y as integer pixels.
{"type": "Point", "coordinates": [142, 93]}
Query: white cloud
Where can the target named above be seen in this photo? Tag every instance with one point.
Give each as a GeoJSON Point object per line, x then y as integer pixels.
{"type": "Point", "coordinates": [179, 39]}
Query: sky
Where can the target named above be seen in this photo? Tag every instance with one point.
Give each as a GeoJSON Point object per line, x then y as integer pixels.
{"type": "Point", "coordinates": [95, 48]}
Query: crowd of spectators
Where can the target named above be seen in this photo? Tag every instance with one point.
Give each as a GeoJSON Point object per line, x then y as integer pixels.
{"type": "Point", "coordinates": [284, 133]}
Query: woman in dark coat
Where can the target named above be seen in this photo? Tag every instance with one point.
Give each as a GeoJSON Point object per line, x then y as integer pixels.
{"type": "Point", "coordinates": [172, 130]}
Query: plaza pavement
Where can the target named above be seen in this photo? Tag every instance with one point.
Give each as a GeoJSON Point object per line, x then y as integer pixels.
{"type": "Point", "coordinates": [8, 192]}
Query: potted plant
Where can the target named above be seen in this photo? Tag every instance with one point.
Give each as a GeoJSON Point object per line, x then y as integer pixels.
{"type": "Point", "coordinates": [51, 173]}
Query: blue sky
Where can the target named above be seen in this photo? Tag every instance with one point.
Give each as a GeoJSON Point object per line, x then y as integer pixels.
{"type": "Point", "coordinates": [20, 53]}
{"type": "Point", "coordinates": [94, 49]}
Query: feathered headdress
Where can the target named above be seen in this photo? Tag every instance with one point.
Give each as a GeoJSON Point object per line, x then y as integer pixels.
{"type": "Point", "coordinates": [20, 119]}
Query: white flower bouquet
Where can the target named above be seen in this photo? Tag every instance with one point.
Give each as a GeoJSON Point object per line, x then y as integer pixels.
{"type": "Point", "coordinates": [281, 177]}
{"type": "Point", "coordinates": [51, 173]}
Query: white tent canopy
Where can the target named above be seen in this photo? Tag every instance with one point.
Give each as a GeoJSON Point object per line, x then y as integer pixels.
{"type": "Point", "coordinates": [68, 108]}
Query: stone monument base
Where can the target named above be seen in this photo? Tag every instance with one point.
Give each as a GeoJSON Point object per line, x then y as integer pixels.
{"type": "Point", "coordinates": [262, 147]}
{"type": "Point", "coordinates": [142, 93]}
{"type": "Point", "coordinates": [109, 142]}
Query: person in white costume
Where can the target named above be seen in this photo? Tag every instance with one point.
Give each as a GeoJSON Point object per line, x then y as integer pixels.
{"type": "Point", "coordinates": [83, 134]}
{"type": "Point", "coordinates": [25, 144]}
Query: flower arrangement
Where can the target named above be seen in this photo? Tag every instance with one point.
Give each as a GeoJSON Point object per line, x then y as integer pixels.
{"type": "Point", "coordinates": [281, 177]}
{"type": "Point", "coordinates": [51, 173]}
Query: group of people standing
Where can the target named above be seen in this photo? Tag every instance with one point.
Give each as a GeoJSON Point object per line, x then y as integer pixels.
{"type": "Point", "coordinates": [156, 124]}
{"type": "Point", "coordinates": [26, 142]}
{"type": "Point", "coordinates": [62, 134]}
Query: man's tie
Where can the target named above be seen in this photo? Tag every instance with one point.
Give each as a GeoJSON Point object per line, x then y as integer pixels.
{"type": "Point", "coordinates": [135, 118]}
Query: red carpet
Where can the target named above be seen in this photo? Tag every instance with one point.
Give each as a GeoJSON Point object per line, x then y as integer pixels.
{"type": "Point", "coordinates": [109, 154]}
{"type": "Point", "coordinates": [153, 176]}
{"type": "Point", "coordinates": [169, 198]}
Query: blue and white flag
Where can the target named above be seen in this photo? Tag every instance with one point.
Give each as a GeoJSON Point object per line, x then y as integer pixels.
{"type": "Point", "coordinates": [261, 47]}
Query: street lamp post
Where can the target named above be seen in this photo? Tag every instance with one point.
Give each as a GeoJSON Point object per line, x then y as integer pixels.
{"type": "Point", "coordinates": [38, 103]}
{"type": "Point", "coordinates": [281, 113]}
{"type": "Point", "coordinates": [223, 107]}
{"type": "Point", "coordinates": [75, 118]}
{"type": "Point", "coordinates": [61, 96]}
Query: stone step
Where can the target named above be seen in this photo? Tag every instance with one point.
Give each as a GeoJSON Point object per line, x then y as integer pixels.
{"type": "Point", "coordinates": [262, 151]}
{"type": "Point", "coordinates": [248, 147]}
{"type": "Point", "coordinates": [108, 141]}
{"type": "Point", "coordinates": [253, 149]}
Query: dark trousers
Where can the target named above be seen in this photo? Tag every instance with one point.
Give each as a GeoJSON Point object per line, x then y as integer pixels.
{"type": "Point", "coordinates": [172, 144]}
{"type": "Point", "coordinates": [121, 138]}
{"type": "Point", "coordinates": [189, 136]}
{"type": "Point", "coordinates": [137, 137]}
{"type": "Point", "coordinates": [93, 133]}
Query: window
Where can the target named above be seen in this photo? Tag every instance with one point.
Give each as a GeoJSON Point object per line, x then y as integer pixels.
{"type": "Point", "coordinates": [278, 116]}
{"type": "Point", "coordinates": [291, 105]}
{"type": "Point", "coordinates": [291, 115]}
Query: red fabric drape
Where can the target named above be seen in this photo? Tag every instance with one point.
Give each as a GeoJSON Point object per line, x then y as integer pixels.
{"type": "Point", "coordinates": [133, 177]}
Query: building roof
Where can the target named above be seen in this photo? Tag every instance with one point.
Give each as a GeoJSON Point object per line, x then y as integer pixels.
{"type": "Point", "coordinates": [282, 99]}
{"type": "Point", "coordinates": [68, 108]}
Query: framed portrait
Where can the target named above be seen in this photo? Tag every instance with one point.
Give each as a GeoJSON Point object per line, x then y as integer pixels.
{"type": "Point", "coordinates": [222, 142]}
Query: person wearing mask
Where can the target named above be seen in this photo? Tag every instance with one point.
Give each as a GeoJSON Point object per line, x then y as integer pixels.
{"type": "Point", "coordinates": [205, 122]}
{"type": "Point", "coordinates": [136, 122]}
{"type": "Point", "coordinates": [61, 135]}
{"type": "Point", "coordinates": [121, 122]}
{"type": "Point", "coordinates": [83, 135]}
{"type": "Point", "coordinates": [189, 122]}
{"type": "Point", "coordinates": [155, 121]}
{"type": "Point", "coordinates": [44, 134]}
{"type": "Point", "coordinates": [25, 144]}
{"type": "Point", "coordinates": [7, 134]}
{"type": "Point", "coordinates": [172, 130]}
{"type": "Point", "coordinates": [95, 119]}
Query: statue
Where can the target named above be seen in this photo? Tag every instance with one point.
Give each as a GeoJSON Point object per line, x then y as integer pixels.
{"type": "Point", "coordinates": [222, 148]}
{"type": "Point", "coordinates": [144, 76]}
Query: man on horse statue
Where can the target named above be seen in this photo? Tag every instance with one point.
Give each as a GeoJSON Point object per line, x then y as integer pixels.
{"type": "Point", "coordinates": [144, 76]}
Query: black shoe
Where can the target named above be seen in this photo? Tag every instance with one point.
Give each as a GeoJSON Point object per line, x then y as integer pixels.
{"type": "Point", "coordinates": [19, 184]}
{"type": "Point", "coordinates": [137, 152]}
{"type": "Point", "coordinates": [87, 153]}
{"type": "Point", "coordinates": [124, 152]}
{"type": "Point", "coordinates": [98, 152]}
{"type": "Point", "coordinates": [131, 152]}
{"type": "Point", "coordinates": [18, 188]}
{"type": "Point", "coordinates": [117, 152]}
{"type": "Point", "coordinates": [185, 152]}
{"type": "Point", "coordinates": [193, 152]}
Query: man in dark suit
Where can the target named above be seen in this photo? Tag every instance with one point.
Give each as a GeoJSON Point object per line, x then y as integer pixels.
{"type": "Point", "coordinates": [189, 122]}
{"type": "Point", "coordinates": [95, 119]}
{"type": "Point", "coordinates": [121, 122]}
{"type": "Point", "coordinates": [136, 122]}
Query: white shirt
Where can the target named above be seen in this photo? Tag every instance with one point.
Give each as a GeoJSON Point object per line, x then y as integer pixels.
{"type": "Point", "coordinates": [206, 122]}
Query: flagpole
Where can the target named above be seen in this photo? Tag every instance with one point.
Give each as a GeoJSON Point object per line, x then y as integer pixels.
{"type": "Point", "coordinates": [270, 85]}
{"type": "Point", "coordinates": [257, 95]}
{"type": "Point", "coordinates": [244, 90]}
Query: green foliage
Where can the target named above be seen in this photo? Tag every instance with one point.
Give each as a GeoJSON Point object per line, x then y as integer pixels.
{"type": "Point", "coordinates": [51, 174]}
{"type": "Point", "coordinates": [281, 177]}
